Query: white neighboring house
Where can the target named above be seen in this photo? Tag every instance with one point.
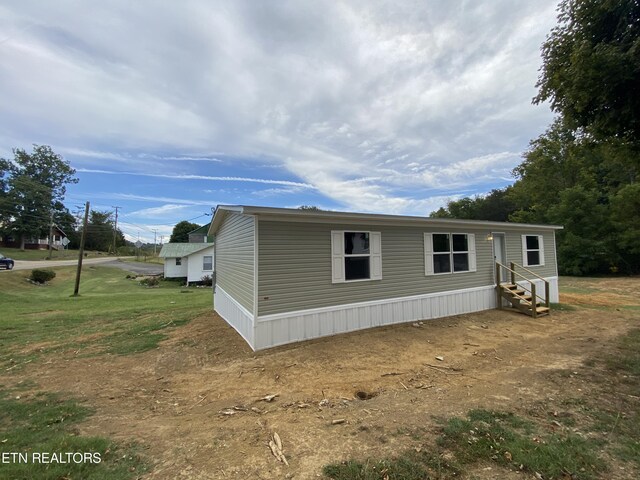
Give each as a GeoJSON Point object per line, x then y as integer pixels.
{"type": "Point", "coordinates": [189, 260]}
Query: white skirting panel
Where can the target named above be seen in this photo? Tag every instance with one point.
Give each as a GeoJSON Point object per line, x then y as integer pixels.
{"type": "Point", "coordinates": [554, 296]}
{"type": "Point", "coordinates": [280, 329]}
{"type": "Point", "coordinates": [234, 314]}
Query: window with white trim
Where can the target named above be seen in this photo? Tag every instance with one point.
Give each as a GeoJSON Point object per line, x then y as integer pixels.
{"type": "Point", "coordinates": [532, 251]}
{"type": "Point", "coordinates": [355, 255]}
{"type": "Point", "coordinates": [449, 253]}
{"type": "Point", "coordinates": [207, 263]}
{"type": "Point", "coordinates": [178, 261]}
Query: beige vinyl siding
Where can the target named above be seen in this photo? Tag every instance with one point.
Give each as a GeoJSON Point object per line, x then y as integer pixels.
{"type": "Point", "coordinates": [514, 251]}
{"type": "Point", "coordinates": [295, 266]}
{"type": "Point", "coordinates": [234, 258]}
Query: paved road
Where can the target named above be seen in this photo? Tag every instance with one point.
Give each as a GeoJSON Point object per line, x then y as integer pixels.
{"type": "Point", "coordinates": [135, 267]}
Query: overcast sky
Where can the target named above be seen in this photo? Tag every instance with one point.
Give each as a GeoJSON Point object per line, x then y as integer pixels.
{"type": "Point", "coordinates": [169, 108]}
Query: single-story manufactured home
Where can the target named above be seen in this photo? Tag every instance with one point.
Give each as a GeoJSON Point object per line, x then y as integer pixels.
{"type": "Point", "coordinates": [286, 275]}
{"type": "Point", "coordinates": [188, 260]}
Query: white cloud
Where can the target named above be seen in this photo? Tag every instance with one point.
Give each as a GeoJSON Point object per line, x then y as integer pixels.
{"type": "Point", "coordinates": [135, 159]}
{"type": "Point", "coordinates": [199, 177]}
{"type": "Point", "coordinates": [158, 212]}
{"type": "Point", "coordinates": [151, 198]}
{"type": "Point", "coordinates": [274, 192]}
{"type": "Point", "coordinates": [408, 95]}
{"type": "Point", "coordinates": [145, 233]}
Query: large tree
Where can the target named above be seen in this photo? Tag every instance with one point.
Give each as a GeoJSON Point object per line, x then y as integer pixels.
{"type": "Point", "coordinates": [180, 233]}
{"type": "Point", "coordinates": [33, 186]}
{"type": "Point", "coordinates": [495, 206]}
{"type": "Point", "coordinates": [584, 184]}
{"type": "Point", "coordinates": [582, 173]}
{"type": "Point", "coordinates": [591, 67]}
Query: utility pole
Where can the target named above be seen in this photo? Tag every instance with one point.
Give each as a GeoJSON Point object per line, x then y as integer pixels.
{"type": "Point", "coordinates": [115, 229]}
{"type": "Point", "coordinates": [155, 236]}
{"type": "Point", "coordinates": [50, 234]}
{"type": "Point", "coordinates": [81, 254]}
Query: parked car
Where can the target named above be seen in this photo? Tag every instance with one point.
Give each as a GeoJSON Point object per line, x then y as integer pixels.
{"type": "Point", "coordinates": [6, 262]}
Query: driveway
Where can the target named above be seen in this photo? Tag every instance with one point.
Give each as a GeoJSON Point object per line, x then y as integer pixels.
{"type": "Point", "coordinates": [122, 263]}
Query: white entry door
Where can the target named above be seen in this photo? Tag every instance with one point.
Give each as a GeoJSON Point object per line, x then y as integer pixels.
{"type": "Point", "coordinates": [500, 254]}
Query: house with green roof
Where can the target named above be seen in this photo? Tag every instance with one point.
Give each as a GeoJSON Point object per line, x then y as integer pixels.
{"type": "Point", "coordinates": [187, 260]}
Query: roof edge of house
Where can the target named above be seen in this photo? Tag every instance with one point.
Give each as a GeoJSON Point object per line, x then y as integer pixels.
{"type": "Point", "coordinates": [196, 248]}
{"type": "Point", "coordinates": [222, 210]}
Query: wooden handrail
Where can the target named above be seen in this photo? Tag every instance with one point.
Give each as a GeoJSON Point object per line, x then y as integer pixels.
{"type": "Point", "coordinates": [512, 271]}
{"type": "Point", "coordinates": [532, 290]}
{"type": "Point", "coordinates": [528, 271]}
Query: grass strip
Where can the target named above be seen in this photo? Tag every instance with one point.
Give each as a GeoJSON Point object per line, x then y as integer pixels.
{"type": "Point", "coordinates": [33, 431]}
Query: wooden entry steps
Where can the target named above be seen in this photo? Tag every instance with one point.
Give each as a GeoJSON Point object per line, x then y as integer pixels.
{"type": "Point", "coordinates": [520, 297]}
{"type": "Point", "coordinates": [521, 301]}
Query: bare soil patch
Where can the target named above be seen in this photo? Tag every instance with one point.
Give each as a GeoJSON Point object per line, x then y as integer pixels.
{"type": "Point", "coordinates": [196, 406]}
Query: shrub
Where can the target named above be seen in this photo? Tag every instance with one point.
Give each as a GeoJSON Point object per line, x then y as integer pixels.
{"type": "Point", "coordinates": [207, 281]}
{"type": "Point", "coordinates": [41, 275]}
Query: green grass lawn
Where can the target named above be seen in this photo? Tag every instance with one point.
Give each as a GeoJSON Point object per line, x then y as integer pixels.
{"type": "Point", "coordinates": [18, 254]}
{"type": "Point", "coordinates": [45, 424]}
{"type": "Point", "coordinates": [112, 314]}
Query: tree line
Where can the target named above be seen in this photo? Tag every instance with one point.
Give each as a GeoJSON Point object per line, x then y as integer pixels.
{"type": "Point", "coordinates": [582, 173]}
{"type": "Point", "coordinates": [32, 190]}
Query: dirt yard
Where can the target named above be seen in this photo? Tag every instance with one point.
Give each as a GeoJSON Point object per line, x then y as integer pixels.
{"type": "Point", "coordinates": [194, 403]}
